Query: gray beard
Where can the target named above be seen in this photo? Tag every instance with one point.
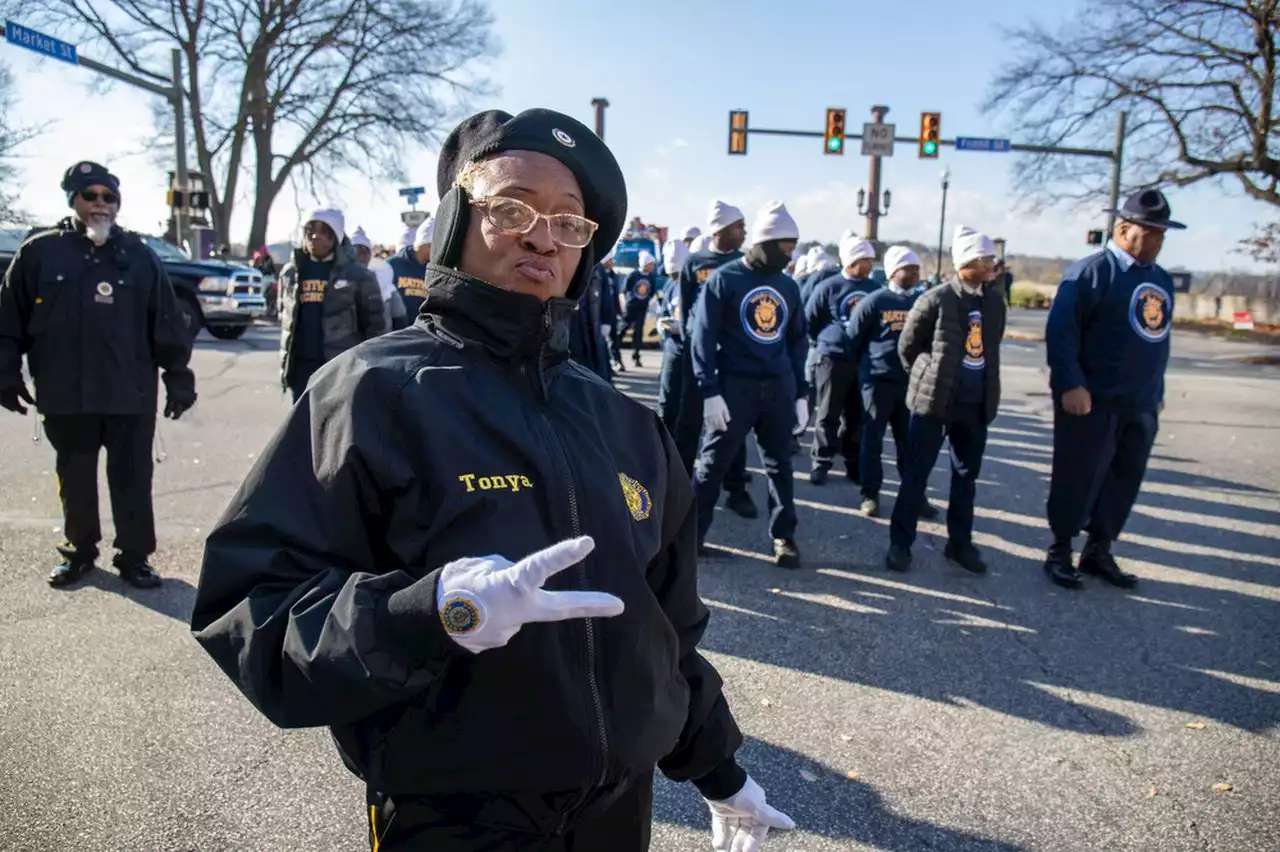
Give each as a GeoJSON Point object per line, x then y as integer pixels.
{"type": "Point", "coordinates": [97, 229]}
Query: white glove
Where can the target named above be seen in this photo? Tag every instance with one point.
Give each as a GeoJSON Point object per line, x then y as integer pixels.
{"type": "Point", "coordinates": [802, 416]}
{"type": "Point", "coordinates": [742, 823]}
{"type": "Point", "coordinates": [484, 602]}
{"type": "Point", "coordinates": [715, 413]}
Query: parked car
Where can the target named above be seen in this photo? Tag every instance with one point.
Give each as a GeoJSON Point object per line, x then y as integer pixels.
{"type": "Point", "coordinates": [221, 296]}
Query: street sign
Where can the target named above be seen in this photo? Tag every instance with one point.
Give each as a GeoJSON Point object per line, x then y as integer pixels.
{"type": "Point", "coordinates": [1242, 321]}
{"type": "Point", "coordinates": [40, 43]}
{"type": "Point", "coordinates": [413, 218]}
{"type": "Point", "coordinates": [877, 140]}
{"type": "Point", "coordinates": [975, 143]}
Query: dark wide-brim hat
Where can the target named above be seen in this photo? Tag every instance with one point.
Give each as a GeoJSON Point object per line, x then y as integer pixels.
{"type": "Point", "coordinates": [1147, 207]}
{"type": "Point", "coordinates": [604, 190]}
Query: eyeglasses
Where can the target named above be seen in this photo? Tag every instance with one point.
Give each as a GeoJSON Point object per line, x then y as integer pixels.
{"type": "Point", "coordinates": [515, 217]}
{"type": "Point", "coordinates": [91, 196]}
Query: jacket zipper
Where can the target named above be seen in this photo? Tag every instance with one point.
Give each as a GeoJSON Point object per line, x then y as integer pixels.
{"type": "Point", "coordinates": [592, 680]}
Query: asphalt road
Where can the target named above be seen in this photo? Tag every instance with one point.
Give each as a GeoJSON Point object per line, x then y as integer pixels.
{"type": "Point", "coordinates": [927, 711]}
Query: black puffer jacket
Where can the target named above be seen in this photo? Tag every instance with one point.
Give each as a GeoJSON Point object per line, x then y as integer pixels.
{"type": "Point", "coordinates": [96, 324]}
{"type": "Point", "coordinates": [467, 434]}
{"type": "Point", "coordinates": [932, 347]}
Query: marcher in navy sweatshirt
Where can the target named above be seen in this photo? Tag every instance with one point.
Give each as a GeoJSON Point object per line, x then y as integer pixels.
{"type": "Point", "coordinates": [749, 346]}
{"type": "Point", "coordinates": [638, 290]}
{"type": "Point", "coordinates": [838, 421]}
{"type": "Point", "coordinates": [1107, 342]}
{"type": "Point", "coordinates": [873, 332]}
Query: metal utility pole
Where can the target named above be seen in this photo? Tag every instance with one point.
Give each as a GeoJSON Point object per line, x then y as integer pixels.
{"type": "Point", "coordinates": [942, 220]}
{"type": "Point", "coordinates": [180, 143]}
{"type": "Point", "coordinates": [873, 212]}
{"type": "Point", "coordinates": [601, 104]}
{"type": "Point", "coordinates": [1116, 163]}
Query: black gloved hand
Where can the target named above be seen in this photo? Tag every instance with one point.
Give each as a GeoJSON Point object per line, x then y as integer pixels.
{"type": "Point", "coordinates": [175, 407]}
{"type": "Point", "coordinates": [13, 397]}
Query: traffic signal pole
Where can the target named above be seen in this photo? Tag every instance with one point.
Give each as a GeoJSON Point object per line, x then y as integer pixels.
{"type": "Point", "coordinates": [1115, 155]}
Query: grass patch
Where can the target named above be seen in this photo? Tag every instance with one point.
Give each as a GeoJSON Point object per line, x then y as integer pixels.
{"type": "Point", "coordinates": [1261, 333]}
{"type": "Point", "coordinates": [1026, 296]}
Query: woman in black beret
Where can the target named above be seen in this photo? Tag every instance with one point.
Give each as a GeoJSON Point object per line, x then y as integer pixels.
{"type": "Point", "coordinates": [474, 560]}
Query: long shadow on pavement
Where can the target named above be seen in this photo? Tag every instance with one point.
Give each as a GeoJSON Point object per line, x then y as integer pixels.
{"type": "Point", "coordinates": [174, 598]}
{"type": "Point", "coordinates": [832, 806]}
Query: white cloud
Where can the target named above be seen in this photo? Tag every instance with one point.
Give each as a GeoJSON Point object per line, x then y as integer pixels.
{"type": "Point", "coordinates": [679, 142]}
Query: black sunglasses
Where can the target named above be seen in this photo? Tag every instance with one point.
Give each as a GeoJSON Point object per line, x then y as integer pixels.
{"type": "Point", "coordinates": [91, 196]}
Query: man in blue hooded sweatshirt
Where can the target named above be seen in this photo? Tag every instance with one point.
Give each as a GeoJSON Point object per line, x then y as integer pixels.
{"type": "Point", "coordinates": [638, 290]}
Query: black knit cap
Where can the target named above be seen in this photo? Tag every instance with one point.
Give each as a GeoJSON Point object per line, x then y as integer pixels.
{"type": "Point", "coordinates": [604, 190]}
{"type": "Point", "coordinates": [85, 174]}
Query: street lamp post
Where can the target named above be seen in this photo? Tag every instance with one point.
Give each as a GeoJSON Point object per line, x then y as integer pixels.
{"type": "Point", "coordinates": [942, 220]}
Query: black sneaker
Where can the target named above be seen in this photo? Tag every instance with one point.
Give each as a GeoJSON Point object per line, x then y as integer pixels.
{"type": "Point", "coordinates": [140, 575]}
{"type": "Point", "coordinates": [928, 511]}
{"type": "Point", "coordinates": [1057, 564]}
{"type": "Point", "coordinates": [66, 573]}
{"type": "Point", "coordinates": [898, 558]}
{"type": "Point", "coordinates": [741, 504]}
{"type": "Point", "coordinates": [818, 476]}
{"type": "Point", "coordinates": [871, 506]}
{"type": "Point", "coordinates": [966, 556]}
{"type": "Point", "coordinates": [1096, 559]}
{"type": "Point", "coordinates": [636, 360]}
{"type": "Point", "coordinates": [785, 554]}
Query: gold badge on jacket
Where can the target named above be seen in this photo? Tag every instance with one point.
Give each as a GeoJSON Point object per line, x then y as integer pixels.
{"type": "Point", "coordinates": [637, 497]}
{"type": "Point", "coordinates": [104, 293]}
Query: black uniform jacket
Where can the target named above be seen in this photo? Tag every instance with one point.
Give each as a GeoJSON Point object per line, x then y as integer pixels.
{"type": "Point", "coordinates": [95, 323]}
{"type": "Point", "coordinates": [469, 433]}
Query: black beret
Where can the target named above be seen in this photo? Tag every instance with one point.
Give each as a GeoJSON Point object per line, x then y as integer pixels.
{"type": "Point", "coordinates": [604, 190]}
{"type": "Point", "coordinates": [85, 174]}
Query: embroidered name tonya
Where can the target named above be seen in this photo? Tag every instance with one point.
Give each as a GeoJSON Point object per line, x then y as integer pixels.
{"type": "Point", "coordinates": [508, 482]}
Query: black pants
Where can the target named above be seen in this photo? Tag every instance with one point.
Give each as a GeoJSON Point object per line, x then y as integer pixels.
{"type": "Point", "coordinates": [77, 440]}
{"type": "Point", "coordinates": [838, 423]}
{"type": "Point", "coordinates": [966, 432]}
{"type": "Point", "coordinates": [519, 822]}
{"type": "Point", "coordinates": [688, 431]}
{"type": "Point", "coordinates": [1098, 464]}
{"type": "Point", "coordinates": [636, 326]}
{"type": "Point", "coordinates": [884, 406]}
{"type": "Point", "coordinates": [671, 383]}
{"type": "Point", "coordinates": [768, 407]}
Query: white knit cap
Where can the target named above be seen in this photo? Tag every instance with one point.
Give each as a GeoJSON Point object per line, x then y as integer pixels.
{"type": "Point", "coordinates": [968, 245]}
{"type": "Point", "coordinates": [853, 248]}
{"type": "Point", "coordinates": [823, 263]}
{"type": "Point", "coordinates": [897, 257]}
{"type": "Point", "coordinates": [644, 260]}
{"type": "Point", "coordinates": [702, 243]}
{"type": "Point", "coordinates": [422, 236]}
{"type": "Point", "coordinates": [691, 233]}
{"type": "Point", "coordinates": [802, 265]}
{"type": "Point", "coordinates": [406, 239]}
{"type": "Point", "coordinates": [674, 254]}
{"type": "Point", "coordinates": [360, 238]}
{"type": "Point", "coordinates": [723, 215]}
{"type": "Point", "coordinates": [773, 222]}
{"type": "Point", "coordinates": [330, 216]}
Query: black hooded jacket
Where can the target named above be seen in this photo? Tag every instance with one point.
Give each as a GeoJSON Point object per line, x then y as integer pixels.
{"type": "Point", "coordinates": [470, 433]}
{"type": "Point", "coordinates": [96, 324]}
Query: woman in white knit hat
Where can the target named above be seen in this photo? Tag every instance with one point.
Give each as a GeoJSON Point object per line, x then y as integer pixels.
{"type": "Point", "coordinates": [951, 348]}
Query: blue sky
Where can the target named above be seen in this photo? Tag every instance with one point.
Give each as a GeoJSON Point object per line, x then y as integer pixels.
{"type": "Point", "coordinates": [672, 71]}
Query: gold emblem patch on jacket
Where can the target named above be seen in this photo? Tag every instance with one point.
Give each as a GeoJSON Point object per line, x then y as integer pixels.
{"type": "Point", "coordinates": [637, 496]}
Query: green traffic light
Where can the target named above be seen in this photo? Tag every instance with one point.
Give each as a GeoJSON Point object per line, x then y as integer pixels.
{"type": "Point", "coordinates": [833, 144]}
{"type": "Point", "coordinates": [931, 148]}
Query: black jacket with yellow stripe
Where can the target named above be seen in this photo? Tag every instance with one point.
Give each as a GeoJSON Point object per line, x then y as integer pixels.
{"type": "Point", "coordinates": [470, 433]}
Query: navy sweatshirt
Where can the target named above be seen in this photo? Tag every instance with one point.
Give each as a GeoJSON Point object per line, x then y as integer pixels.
{"type": "Point", "coordinates": [639, 289]}
{"type": "Point", "coordinates": [873, 333]}
{"type": "Point", "coordinates": [971, 385]}
{"type": "Point", "coordinates": [748, 324]}
{"type": "Point", "coordinates": [1108, 331]}
{"type": "Point", "coordinates": [313, 279]}
{"type": "Point", "coordinates": [829, 308]}
{"type": "Point", "coordinates": [693, 275]}
{"type": "Point", "coordinates": [409, 278]}
{"type": "Point", "coordinates": [809, 282]}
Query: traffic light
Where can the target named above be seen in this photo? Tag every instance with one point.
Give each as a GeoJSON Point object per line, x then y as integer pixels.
{"type": "Point", "coordinates": [738, 131]}
{"type": "Point", "coordinates": [930, 134]}
{"type": "Point", "coordinates": [834, 141]}
{"type": "Point", "coordinates": [174, 198]}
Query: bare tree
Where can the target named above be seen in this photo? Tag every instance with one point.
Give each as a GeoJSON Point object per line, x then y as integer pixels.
{"type": "Point", "coordinates": [1198, 78]}
{"type": "Point", "coordinates": [302, 88]}
{"type": "Point", "coordinates": [1263, 245]}
{"type": "Point", "coordinates": [12, 136]}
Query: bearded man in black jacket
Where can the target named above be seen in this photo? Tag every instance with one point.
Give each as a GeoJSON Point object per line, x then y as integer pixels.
{"type": "Point", "coordinates": [516, 700]}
